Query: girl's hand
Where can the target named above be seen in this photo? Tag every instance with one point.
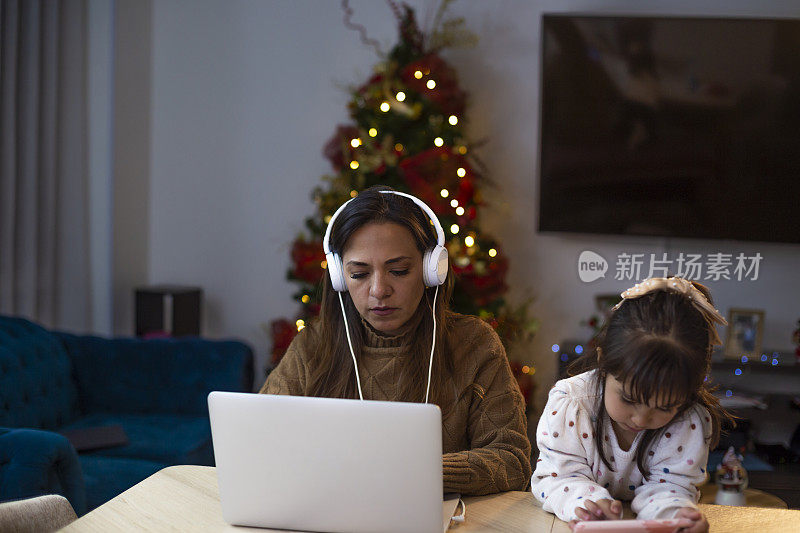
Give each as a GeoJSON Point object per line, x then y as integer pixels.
{"type": "Point", "coordinates": [700, 523]}
{"type": "Point", "coordinates": [604, 509]}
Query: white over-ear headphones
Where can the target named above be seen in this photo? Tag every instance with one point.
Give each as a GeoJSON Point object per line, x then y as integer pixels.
{"type": "Point", "coordinates": [434, 260]}
{"type": "Point", "coordinates": [434, 268]}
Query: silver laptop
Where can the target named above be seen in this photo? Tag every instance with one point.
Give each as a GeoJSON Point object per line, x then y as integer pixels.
{"type": "Point", "coordinates": [320, 464]}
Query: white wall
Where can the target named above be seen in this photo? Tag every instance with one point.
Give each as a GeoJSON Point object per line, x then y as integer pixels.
{"type": "Point", "coordinates": [245, 94]}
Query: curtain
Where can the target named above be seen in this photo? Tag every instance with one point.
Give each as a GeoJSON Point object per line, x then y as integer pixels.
{"type": "Point", "coordinates": [44, 244]}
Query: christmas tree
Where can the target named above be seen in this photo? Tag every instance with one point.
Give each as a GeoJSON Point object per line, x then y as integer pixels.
{"type": "Point", "coordinates": [408, 132]}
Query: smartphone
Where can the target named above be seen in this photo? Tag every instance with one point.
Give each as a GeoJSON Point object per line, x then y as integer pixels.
{"type": "Point", "coordinates": [632, 526]}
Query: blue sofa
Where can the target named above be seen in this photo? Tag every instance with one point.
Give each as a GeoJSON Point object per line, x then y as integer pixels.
{"type": "Point", "coordinates": [155, 390]}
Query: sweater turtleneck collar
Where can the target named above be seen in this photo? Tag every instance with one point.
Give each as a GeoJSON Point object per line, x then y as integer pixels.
{"type": "Point", "coordinates": [377, 339]}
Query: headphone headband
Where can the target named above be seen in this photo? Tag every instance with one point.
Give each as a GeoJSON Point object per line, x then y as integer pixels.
{"type": "Point", "coordinates": [428, 211]}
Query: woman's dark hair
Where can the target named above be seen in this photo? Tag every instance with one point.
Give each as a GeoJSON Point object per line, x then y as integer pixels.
{"type": "Point", "coordinates": [659, 347]}
{"type": "Point", "coordinates": [332, 374]}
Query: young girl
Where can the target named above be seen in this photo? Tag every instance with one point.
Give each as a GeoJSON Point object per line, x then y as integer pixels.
{"type": "Point", "coordinates": [638, 422]}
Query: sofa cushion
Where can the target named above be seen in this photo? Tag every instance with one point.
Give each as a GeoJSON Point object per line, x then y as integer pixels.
{"type": "Point", "coordinates": [106, 477]}
{"type": "Point", "coordinates": [169, 439]}
{"type": "Point", "coordinates": [137, 376]}
{"type": "Point", "coordinates": [36, 386]}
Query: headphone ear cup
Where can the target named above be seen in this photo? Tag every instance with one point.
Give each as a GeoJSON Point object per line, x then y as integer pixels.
{"type": "Point", "coordinates": [435, 266]}
{"type": "Point", "coordinates": [336, 272]}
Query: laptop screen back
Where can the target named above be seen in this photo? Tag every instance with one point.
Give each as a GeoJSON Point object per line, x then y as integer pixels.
{"type": "Point", "coordinates": [322, 464]}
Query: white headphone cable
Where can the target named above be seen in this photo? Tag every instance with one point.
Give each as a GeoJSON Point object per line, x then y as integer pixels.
{"type": "Point", "coordinates": [350, 343]}
{"type": "Point", "coordinates": [433, 345]}
{"type": "Point", "coordinates": [352, 352]}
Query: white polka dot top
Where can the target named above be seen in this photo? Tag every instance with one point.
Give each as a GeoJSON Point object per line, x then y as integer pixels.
{"type": "Point", "coordinates": [569, 469]}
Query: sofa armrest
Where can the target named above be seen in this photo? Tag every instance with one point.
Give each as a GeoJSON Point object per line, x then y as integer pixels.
{"type": "Point", "coordinates": [35, 462]}
{"type": "Point", "coordinates": [139, 376]}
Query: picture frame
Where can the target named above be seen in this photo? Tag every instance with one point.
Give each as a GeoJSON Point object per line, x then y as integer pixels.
{"type": "Point", "coordinates": [745, 332]}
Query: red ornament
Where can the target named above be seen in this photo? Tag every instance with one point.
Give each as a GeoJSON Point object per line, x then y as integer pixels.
{"type": "Point", "coordinates": [428, 172]}
{"type": "Point", "coordinates": [283, 332]}
{"type": "Point", "coordinates": [446, 94]}
{"type": "Point", "coordinates": [307, 258]}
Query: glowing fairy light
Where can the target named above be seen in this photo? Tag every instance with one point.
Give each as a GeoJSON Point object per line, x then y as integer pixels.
{"type": "Point", "coordinates": [353, 193]}
{"type": "Point", "coordinates": [453, 120]}
{"type": "Point", "coordinates": [469, 241]}
{"type": "Point", "coordinates": [385, 107]}
{"type": "Point", "coordinates": [453, 203]}
{"type": "Point", "coordinates": [400, 96]}
{"type": "Point", "coordinates": [418, 74]}
{"type": "Point", "coordinates": [461, 172]}
{"type": "Point", "coordinates": [459, 211]}
{"type": "Point", "coordinates": [305, 299]}
{"type": "Point", "coordinates": [324, 264]}
{"type": "Point", "coordinates": [462, 150]}
{"type": "Point", "coordinates": [431, 84]}
{"type": "Point", "coordinates": [438, 141]}
{"type": "Point", "coordinates": [555, 348]}
{"type": "Point", "coordinates": [300, 324]}
{"type": "Point", "coordinates": [354, 164]}
{"type": "Point", "coordinates": [454, 229]}
{"type": "Point", "coordinates": [355, 143]}
{"type": "Point", "coordinates": [373, 132]}
{"type": "Point", "coordinates": [327, 218]}
{"type": "Point", "coordinates": [398, 147]}
{"type": "Point", "coordinates": [445, 193]}
{"type": "Point", "coordinates": [492, 252]}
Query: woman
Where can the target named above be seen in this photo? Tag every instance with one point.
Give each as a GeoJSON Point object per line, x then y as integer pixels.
{"type": "Point", "coordinates": [408, 345]}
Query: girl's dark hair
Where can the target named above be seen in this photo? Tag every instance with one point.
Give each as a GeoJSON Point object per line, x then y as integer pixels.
{"type": "Point", "coordinates": [659, 346]}
{"type": "Point", "coordinates": [332, 374]}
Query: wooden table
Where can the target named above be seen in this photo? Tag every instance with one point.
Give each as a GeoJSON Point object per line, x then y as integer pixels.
{"type": "Point", "coordinates": [186, 498]}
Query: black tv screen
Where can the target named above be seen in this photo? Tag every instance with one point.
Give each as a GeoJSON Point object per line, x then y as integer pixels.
{"type": "Point", "coordinates": [665, 126]}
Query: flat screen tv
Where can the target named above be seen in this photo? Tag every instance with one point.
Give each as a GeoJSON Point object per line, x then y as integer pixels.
{"type": "Point", "coordinates": [667, 126]}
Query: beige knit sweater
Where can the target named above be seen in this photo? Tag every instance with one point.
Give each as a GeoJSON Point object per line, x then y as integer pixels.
{"type": "Point", "coordinates": [484, 433]}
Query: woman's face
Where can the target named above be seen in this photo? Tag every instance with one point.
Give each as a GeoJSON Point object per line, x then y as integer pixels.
{"type": "Point", "coordinates": [383, 272]}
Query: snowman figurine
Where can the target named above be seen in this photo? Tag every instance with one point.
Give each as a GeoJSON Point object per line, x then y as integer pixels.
{"type": "Point", "coordinates": [731, 480]}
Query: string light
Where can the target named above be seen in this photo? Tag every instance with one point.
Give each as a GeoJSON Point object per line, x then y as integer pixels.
{"type": "Point", "coordinates": [300, 324]}
{"type": "Point", "coordinates": [418, 74]}
{"type": "Point", "coordinates": [461, 172]}
{"type": "Point", "coordinates": [354, 164]}
{"type": "Point", "coordinates": [438, 141]}
{"type": "Point", "coordinates": [459, 211]}
{"type": "Point", "coordinates": [355, 143]}
{"type": "Point", "coordinates": [453, 203]}
{"type": "Point", "coordinates": [324, 264]}
{"type": "Point", "coordinates": [492, 252]}
{"type": "Point", "coordinates": [327, 218]}
{"type": "Point", "coordinates": [445, 193]}
{"type": "Point", "coordinates": [398, 147]}
{"type": "Point", "coordinates": [400, 96]}
{"type": "Point", "coordinates": [431, 84]}
{"type": "Point", "coordinates": [453, 120]}
{"type": "Point", "coordinates": [462, 150]}
{"type": "Point", "coordinates": [454, 229]}
{"type": "Point", "coordinates": [469, 240]}
{"type": "Point", "coordinates": [305, 299]}
{"type": "Point", "coordinates": [373, 132]}
{"type": "Point", "coordinates": [353, 193]}
{"type": "Point", "coordinates": [385, 107]}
